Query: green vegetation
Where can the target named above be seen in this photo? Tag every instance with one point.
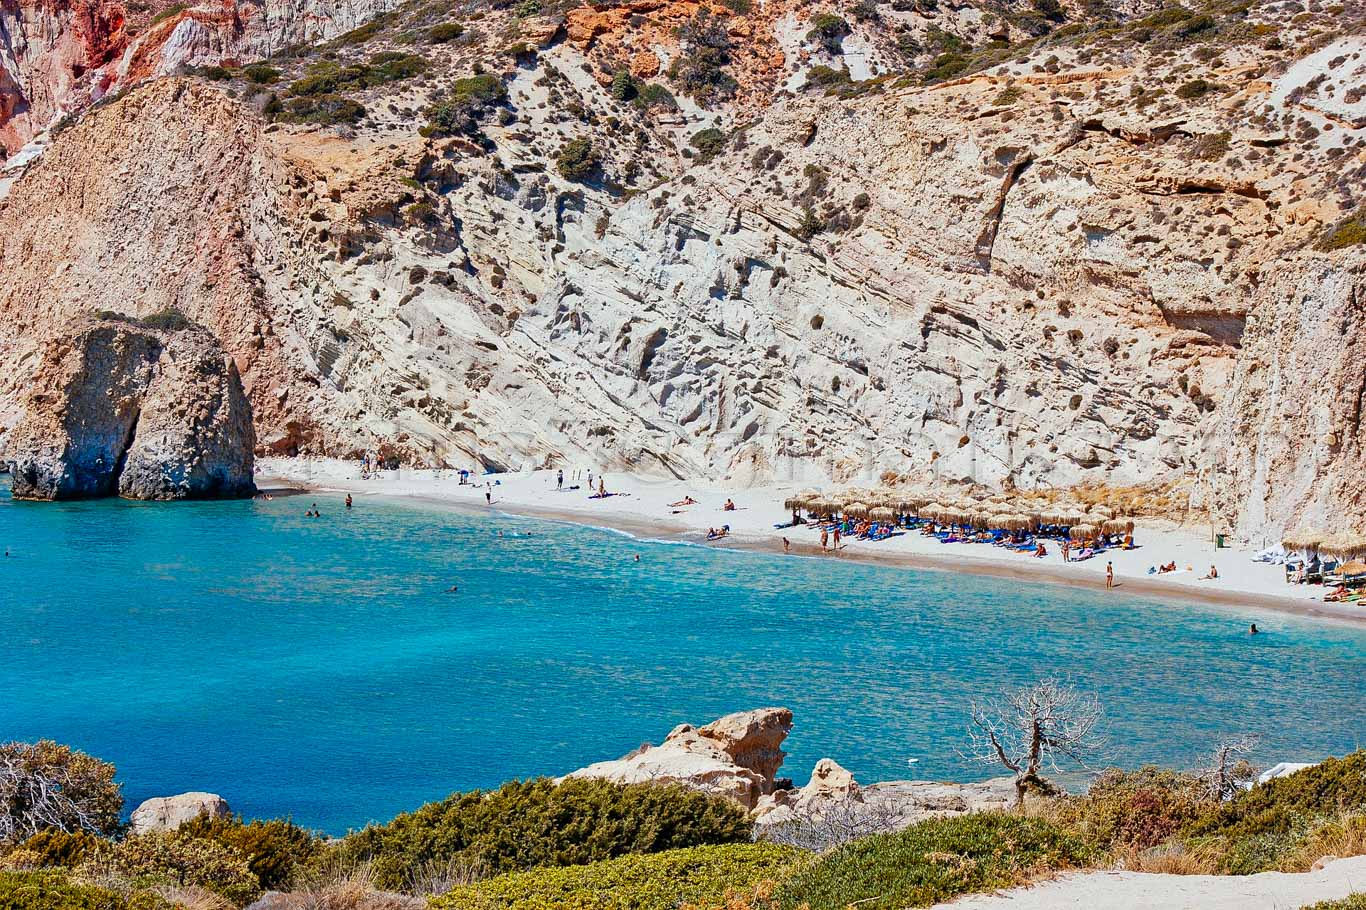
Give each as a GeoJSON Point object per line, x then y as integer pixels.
{"type": "Point", "coordinates": [327, 110]}
{"type": "Point", "coordinates": [275, 851]}
{"type": "Point", "coordinates": [1194, 89]}
{"type": "Point", "coordinates": [946, 66]}
{"type": "Point", "coordinates": [1350, 902]}
{"type": "Point", "coordinates": [1008, 96]}
{"type": "Point", "coordinates": [364, 33]}
{"type": "Point", "coordinates": [700, 72]}
{"type": "Point", "coordinates": [329, 77]}
{"type": "Point", "coordinates": [577, 160]}
{"type": "Point", "coordinates": [177, 859]}
{"type": "Point", "coordinates": [931, 862]}
{"type": "Point", "coordinates": [175, 9]}
{"type": "Point", "coordinates": [536, 823]}
{"type": "Point", "coordinates": [168, 320]}
{"type": "Point", "coordinates": [1284, 804]}
{"type": "Point", "coordinates": [1213, 146]}
{"type": "Point", "coordinates": [54, 847]}
{"type": "Point", "coordinates": [1348, 232]}
{"type": "Point", "coordinates": [445, 32]}
{"type": "Point", "coordinates": [261, 74]}
{"type": "Point", "coordinates": [1135, 809]}
{"type": "Point", "coordinates": [468, 100]}
{"type": "Point", "coordinates": [54, 786]}
{"type": "Point", "coordinates": [709, 143]}
{"type": "Point", "coordinates": [53, 891]}
{"type": "Point", "coordinates": [658, 881]}
{"type": "Point", "coordinates": [625, 87]}
{"type": "Point", "coordinates": [652, 94]}
{"type": "Point", "coordinates": [828, 32]}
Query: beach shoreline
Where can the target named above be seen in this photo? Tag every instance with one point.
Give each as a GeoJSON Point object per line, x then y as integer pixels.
{"type": "Point", "coordinates": [640, 507]}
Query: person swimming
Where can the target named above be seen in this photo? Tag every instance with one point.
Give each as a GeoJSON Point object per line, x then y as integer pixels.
{"type": "Point", "coordinates": [1252, 629]}
{"type": "Point", "coordinates": [348, 500]}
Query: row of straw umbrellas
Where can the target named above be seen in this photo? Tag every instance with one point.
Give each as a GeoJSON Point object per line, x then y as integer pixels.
{"type": "Point", "coordinates": [1017, 512]}
{"type": "Point", "coordinates": [1342, 545]}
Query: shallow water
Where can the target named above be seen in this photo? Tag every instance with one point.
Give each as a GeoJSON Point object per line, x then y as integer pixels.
{"type": "Point", "coordinates": [317, 668]}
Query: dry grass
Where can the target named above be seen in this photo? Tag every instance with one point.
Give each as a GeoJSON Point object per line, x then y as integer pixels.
{"type": "Point", "coordinates": [1342, 836]}
{"type": "Point", "coordinates": [348, 888]}
{"type": "Point", "coordinates": [1171, 859]}
{"type": "Point", "coordinates": [191, 897]}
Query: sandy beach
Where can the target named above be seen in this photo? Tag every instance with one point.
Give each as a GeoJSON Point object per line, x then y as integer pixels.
{"type": "Point", "coordinates": [642, 506]}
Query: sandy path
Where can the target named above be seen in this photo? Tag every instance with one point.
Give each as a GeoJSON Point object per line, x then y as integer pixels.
{"type": "Point", "coordinates": [642, 506]}
{"type": "Point", "coordinates": [1137, 891]}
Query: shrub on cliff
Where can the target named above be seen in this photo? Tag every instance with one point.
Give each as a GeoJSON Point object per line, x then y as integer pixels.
{"type": "Point", "coordinates": [275, 850]}
{"type": "Point", "coordinates": [46, 785]}
{"type": "Point", "coordinates": [323, 109]}
{"type": "Point", "coordinates": [537, 823]}
{"type": "Point", "coordinates": [578, 160]}
{"type": "Point", "coordinates": [933, 861]}
{"type": "Point", "coordinates": [659, 881]}
{"type": "Point", "coordinates": [700, 72]}
{"type": "Point", "coordinates": [445, 32]}
{"type": "Point", "coordinates": [464, 104]}
{"type": "Point", "coordinates": [1348, 232]}
{"type": "Point", "coordinates": [176, 859]}
{"type": "Point", "coordinates": [828, 31]}
{"type": "Point", "coordinates": [55, 891]}
{"type": "Point", "coordinates": [52, 848]}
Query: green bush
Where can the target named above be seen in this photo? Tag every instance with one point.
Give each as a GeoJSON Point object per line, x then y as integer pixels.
{"type": "Point", "coordinates": [54, 891]}
{"type": "Point", "coordinates": [828, 31]}
{"type": "Point", "coordinates": [624, 86]}
{"type": "Point", "coordinates": [176, 858]}
{"type": "Point", "coordinates": [261, 74]}
{"type": "Point", "coordinates": [324, 109]}
{"type": "Point", "coordinates": [52, 847]}
{"type": "Point", "coordinates": [946, 66]}
{"type": "Point", "coordinates": [652, 94]}
{"type": "Point", "coordinates": [1138, 809]}
{"type": "Point", "coordinates": [1278, 806]}
{"type": "Point", "coordinates": [1196, 88]}
{"type": "Point", "coordinates": [658, 881]}
{"type": "Point", "coordinates": [578, 160]}
{"type": "Point", "coordinates": [328, 77]}
{"type": "Point", "coordinates": [1348, 232]}
{"type": "Point", "coordinates": [524, 824]}
{"type": "Point", "coordinates": [445, 32]}
{"type": "Point", "coordinates": [700, 72]}
{"type": "Point", "coordinates": [468, 100]}
{"type": "Point", "coordinates": [931, 862]}
{"type": "Point", "coordinates": [275, 850]}
{"type": "Point", "coordinates": [709, 143]}
{"type": "Point", "coordinates": [1213, 146]}
{"type": "Point", "coordinates": [167, 320]}
{"type": "Point", "coordinates": [213, 72]}
{"type": "Point", "coordinates": [81, 793]}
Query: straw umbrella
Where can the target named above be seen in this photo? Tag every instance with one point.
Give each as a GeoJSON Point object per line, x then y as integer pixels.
{"type": "Point", "coordinates": [1305, 540]}
{"type": "Point", "coordinates": [1355, 567]}
{"type": "Point", "coordinates": [1082, 532]}
{"type": "Point", "coordinates": [1117, 526]}
{"type": "Point", "coordinates": [881, 513]}
{"type": "Point", "coordinates": [856, 509]}
{"type": "Point", "coordinates": [1345, 545]}
{"type": "Point", "coordinates": [801, 500]}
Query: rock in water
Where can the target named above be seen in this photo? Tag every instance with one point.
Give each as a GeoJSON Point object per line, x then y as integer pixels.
{"type": "Point", "coordinates": [736, 757]}
{"type": "Point", "coordinates": [148, 409]}
{"type": "Point", "coordinates": [166, 813]}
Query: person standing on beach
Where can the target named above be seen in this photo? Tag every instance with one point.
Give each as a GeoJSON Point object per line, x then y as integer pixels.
{"type": "Point", "coordinates": [837, 537]}
{"type": "Point", "coordinates": [559, 480]}
{"type": "Point", "coordinates": [787, 546]}
{"type": "Point", "coordinates": [1109, 575]}
{"type": "Point", "coordinates": [1066, 547]}
{"type": "Point", "coordinates": [825, 536]}
{"type": "Point", "coordinates": [488, 493]}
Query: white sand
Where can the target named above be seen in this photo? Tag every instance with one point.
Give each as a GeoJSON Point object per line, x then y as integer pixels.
{"type": "Point", "coordinates": [642, 507]}
{"type": "Point", "coordinates": [1137, 891]}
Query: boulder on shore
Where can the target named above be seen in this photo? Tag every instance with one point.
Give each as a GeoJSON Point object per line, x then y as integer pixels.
{"type": "Point", "coordinates": [166, 813]}
{"type": "Point", "coordinates": [737, 757]}
{"type": "Point", "coordinates": [145, 409]}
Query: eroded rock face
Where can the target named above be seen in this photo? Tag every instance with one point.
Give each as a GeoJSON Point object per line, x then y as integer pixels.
{"type": "Point", "coordinates": [166, 813]}
{"type": "Point", "coordinates": [735, 757]}
{"type": "Point", "coordinates": [117, 407]}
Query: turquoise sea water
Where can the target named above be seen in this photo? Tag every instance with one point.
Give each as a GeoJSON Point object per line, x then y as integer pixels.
{"type": "Point", "coordinates": [317, 668]}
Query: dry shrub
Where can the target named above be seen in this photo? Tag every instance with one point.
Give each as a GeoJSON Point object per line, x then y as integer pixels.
{"type": "Point", "coordinates": [760, 897]}
{"type": "Point", "coordinates": [192, 897]}
{"type": "Point", "coordinates": [1343, 835]}
{"type": "Point", "coordinates": [1171, 859]}
{"type": "Point", "coordinates": [348, 887]}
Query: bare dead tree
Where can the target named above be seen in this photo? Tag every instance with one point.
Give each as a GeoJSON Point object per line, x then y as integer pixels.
{"type": "Point", "coordinates": [1227, 771]}
{"type": "Point", "coordinates": [1034, 728]}
{"type": "Point", "coordinates": [46, 785]}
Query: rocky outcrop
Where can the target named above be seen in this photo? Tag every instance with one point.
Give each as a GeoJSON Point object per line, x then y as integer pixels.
{"type": "Point", "coordinates": [736, 757]}
{"type": "Point", "coordinates": [166, 813]}
{"type": "Point", "coordinates": [118, 406]}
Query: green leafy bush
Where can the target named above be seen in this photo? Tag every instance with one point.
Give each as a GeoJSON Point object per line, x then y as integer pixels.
{"type": "Point", "coordinates": [524, 824]}
{"type": "Point", "coordinates": [700, 72]}
{"type": "Point", "coordinates": [1194, 89]}
{"type": "Point", "coordinates": [578, 160]}
{"type": "Point", "coordinates": [55, 891]}
{"type": "Point", "coordinates": [445, 32]}
{"type": "Point", "coordinates": [709, 142]}
{"type": "Point", "coordinates": [1138, 809]}
{"type": "Point", "coordinates": [946, 66]}
{"type": "Point", "coordinates": [168, 320]}
{"type": "Point", "coordinates": [462, 107]}
{"type": "Point", "coordinates": [1348, 232]}
{"type": "Point", "coordinates": [932, 862]}
{"type": "Point", "coordinates": [652, 94]}
{"type": "Point", "coordinates": [1278, 806]}
{"type": "Point", "coordinates": [328, 77]}
{"type": "Point", "coordinates": [323, 109]}
{"type": "Point", "coordinates": [54, 786]}
{"type": "Point", "coordinates": [1350, 902]}
{"type": "Point", "coordinates": [658, 881]}
{"type": "Point", "coordinates": [828, 31]}
{"type": "Point", "coordinates": [261, 74]}
{"type": "Point", "coordinates": [176, 858]}
{"type": "Point", "coordinates": [624, 86]}
{"type": "Point", "coordinates": [275, 850]}
{"type": "Point", "coordinates": [52, 847]}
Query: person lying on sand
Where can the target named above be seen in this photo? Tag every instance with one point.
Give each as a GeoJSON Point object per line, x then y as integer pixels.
{"type": "Point", "coordinates": [718, 533]}
{"type": "Point", "coordinates": [685, 501]}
